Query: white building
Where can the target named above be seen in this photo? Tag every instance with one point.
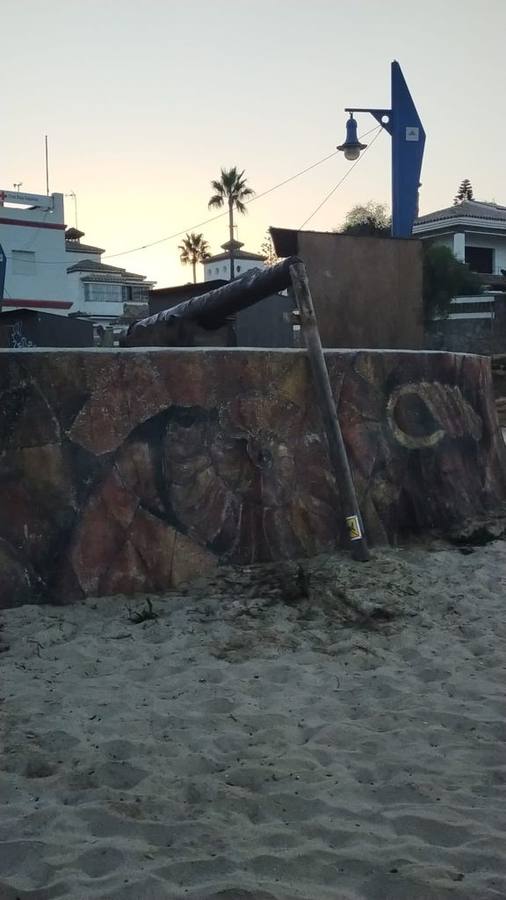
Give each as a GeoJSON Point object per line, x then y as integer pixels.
{"type": "Point", "coordinates": [32, 235]}
{"type": "Point", "coordinates": [48, 268]}
{"type": "Point", "coordinates": [218, 266]}
{"type": "Point", "coordinates": [98, 290]}
{"type": "Point", "coordinates": [475, 231]}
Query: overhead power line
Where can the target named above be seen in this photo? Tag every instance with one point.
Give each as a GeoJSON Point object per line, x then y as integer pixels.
{"type": "Point", "coordinates": [207, 221]}
{"type": "Point", "coordinates": [339, 183]}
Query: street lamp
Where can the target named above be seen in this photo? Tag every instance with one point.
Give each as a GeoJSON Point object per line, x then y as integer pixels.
{"type": "Point", "coordinates": [408, 141]}
{"type": "Point", "coordinates": [352, 146]}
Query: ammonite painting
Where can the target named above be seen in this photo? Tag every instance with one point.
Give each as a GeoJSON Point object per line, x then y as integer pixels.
{"type": "Point", "coordinates": [130, 471]}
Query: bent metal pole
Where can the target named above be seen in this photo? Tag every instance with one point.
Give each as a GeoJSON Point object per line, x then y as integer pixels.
{"type": "Point", "coordinates": [323, 390]}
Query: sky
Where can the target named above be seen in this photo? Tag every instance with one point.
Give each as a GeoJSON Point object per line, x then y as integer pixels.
{"type": "Point", "coordinates": [144, 102]}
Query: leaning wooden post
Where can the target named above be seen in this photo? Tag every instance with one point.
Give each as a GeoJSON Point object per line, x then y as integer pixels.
{"type": "Point", "coordinates": [337, 450]}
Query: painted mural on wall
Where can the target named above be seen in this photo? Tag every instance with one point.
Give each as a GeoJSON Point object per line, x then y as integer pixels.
{"type": "Point", "coordinates": [135, 471]}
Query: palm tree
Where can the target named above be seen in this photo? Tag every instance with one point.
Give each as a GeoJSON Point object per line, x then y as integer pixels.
{"type": "Point", "coordinates": [194, 249]}
{"type": "Point", "coordinates": [232, 190]}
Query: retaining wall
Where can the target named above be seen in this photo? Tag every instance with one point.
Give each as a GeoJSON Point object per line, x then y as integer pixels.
{"type": "Point", "coordinates": [124, 471]}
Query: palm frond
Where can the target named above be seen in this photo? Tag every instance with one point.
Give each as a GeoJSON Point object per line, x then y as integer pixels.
{"type": "Point", "coordinates": [231, 187]}
{"type": "Point", "coordinates": [216, 200]}
{"type": "Point", "coordinates": [193, 249]}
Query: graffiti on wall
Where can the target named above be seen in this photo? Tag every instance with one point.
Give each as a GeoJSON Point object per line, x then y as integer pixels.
{"type": "Point", "coordinates": [17, 339]}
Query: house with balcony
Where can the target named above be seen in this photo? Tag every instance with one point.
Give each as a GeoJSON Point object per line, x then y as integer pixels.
{"type": "Point", "coordinates": [48, 268]}
{"type": "Point", "coordinates": [100, 291]}
{"type": "Point", "coordinates": [475, 231]}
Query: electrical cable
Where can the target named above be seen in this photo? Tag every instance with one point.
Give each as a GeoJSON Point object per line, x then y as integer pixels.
{"type": "Point", "coordinates": [275, 187]}
{"type": "Point", "coordinates": [225, 212]}
{"type": "Point", "coordinates": [339, 183]}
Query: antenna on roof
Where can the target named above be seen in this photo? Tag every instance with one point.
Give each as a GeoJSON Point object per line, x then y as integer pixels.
{"type": "Point", "coordinates": [47, 165]}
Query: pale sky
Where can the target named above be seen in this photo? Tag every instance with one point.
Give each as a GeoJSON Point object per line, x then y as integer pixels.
{"type": "Point", "coordinates": [143, 103]}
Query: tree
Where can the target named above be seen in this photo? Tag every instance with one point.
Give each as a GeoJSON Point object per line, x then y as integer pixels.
{"type": "Point", "coordinates": [267, 250]}
{"type": "Point", "coordinates": [445, 277]}
{"type": "Point", "coordinates": [465, 192]}
{"type": "Point", "coordinates": [193, 249]}
{"type": "Point", "coordinates": [231, 189]}
{"type": "Point", "coordinates": [368, 219]}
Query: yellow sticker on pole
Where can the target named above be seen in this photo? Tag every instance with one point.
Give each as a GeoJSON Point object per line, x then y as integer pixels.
{"type": "Point", "coordinates": [354, 530]}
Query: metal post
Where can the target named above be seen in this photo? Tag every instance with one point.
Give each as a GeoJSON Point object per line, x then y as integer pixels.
{"type": "Point", "coordinates": [337, 449]}
{"type": "Point", "coordinates": [47, 165]}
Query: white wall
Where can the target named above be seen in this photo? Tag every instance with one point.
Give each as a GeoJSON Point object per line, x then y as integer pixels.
{"type": "Point", "coordinates": [221, 269]}
{"type": "Point", "coordinates": [49, 278]}
{"type": "Point", "coordinates": [445, 239]}
{"type": "Point", "coordinates": [93, 307]}
{"type": "Point", "coordinates": [73, 256]}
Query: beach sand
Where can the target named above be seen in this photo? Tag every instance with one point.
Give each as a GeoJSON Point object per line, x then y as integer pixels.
{"type": "Point", "coordinates": [250, 742]}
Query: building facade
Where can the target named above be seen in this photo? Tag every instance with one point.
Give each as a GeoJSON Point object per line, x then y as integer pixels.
{"type": "Point", "coordinates": [48, 267]}
{"type": "Point", "coordinates": [32, 235]}
{"type": "Point", "coordinates": [218, 266]}
{"type": "Point", "coordinates": [475, 232]}
{"type": "Point", "coordinates": [99, 291]}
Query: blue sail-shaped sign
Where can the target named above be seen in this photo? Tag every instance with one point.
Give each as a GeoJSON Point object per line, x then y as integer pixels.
{"type": "Point", "coordinates": [408, 142]}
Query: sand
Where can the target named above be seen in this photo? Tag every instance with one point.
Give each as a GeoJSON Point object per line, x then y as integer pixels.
{"type": "Point", "coordinates": [248, 743]}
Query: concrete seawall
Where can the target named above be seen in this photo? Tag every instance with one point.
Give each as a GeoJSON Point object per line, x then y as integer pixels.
{"type": "Point", "coordinates": [135, 470]}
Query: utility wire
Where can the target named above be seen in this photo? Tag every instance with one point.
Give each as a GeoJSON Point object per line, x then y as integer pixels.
{"type": "Point", "coordinates": [339, 183]}
{"type": "Point", "coordinates": [177, 234]}
{"type": "Point", "coordinates": [225, 212]}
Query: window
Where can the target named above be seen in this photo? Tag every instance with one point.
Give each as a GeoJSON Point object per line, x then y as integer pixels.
{"type": "Point", "coordinates": [480, 259]}
{"type": "Point", "coordinates": [103, 293]}
{"type": "Point", "coordinates": [135, 293]}
{"type": "Point", "coordinates": [23, 262]}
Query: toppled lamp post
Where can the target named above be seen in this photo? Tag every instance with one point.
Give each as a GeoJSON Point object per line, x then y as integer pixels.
{"type": "Point", "coordinates": [408, 141]}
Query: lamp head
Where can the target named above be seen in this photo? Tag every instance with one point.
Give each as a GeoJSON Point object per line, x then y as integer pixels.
{"type": "Point", "coordinates": [352, 146]}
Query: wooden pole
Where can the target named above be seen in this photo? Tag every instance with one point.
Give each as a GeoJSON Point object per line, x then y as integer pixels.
{"type": "Point", "coordinates": [325, 398]}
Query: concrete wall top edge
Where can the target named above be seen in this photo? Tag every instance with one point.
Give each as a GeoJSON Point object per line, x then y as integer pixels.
{"type": "Point", "coordinates": [219, 351]}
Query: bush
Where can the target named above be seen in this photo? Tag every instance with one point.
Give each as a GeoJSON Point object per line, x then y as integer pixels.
{"type": "Point", "coordinates": [445, 277]}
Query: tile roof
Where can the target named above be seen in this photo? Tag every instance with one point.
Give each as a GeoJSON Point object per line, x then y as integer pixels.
{"type": "Point", "coordinates": [92, 265]}
{"type": "Point", "coordinates": [77, 247]}
{"type": "Point", "coordinates": [468, 209]}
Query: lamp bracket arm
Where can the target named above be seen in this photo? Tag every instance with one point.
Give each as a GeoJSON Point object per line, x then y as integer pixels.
{"type": "Point", "coordinates": [378, 114]}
